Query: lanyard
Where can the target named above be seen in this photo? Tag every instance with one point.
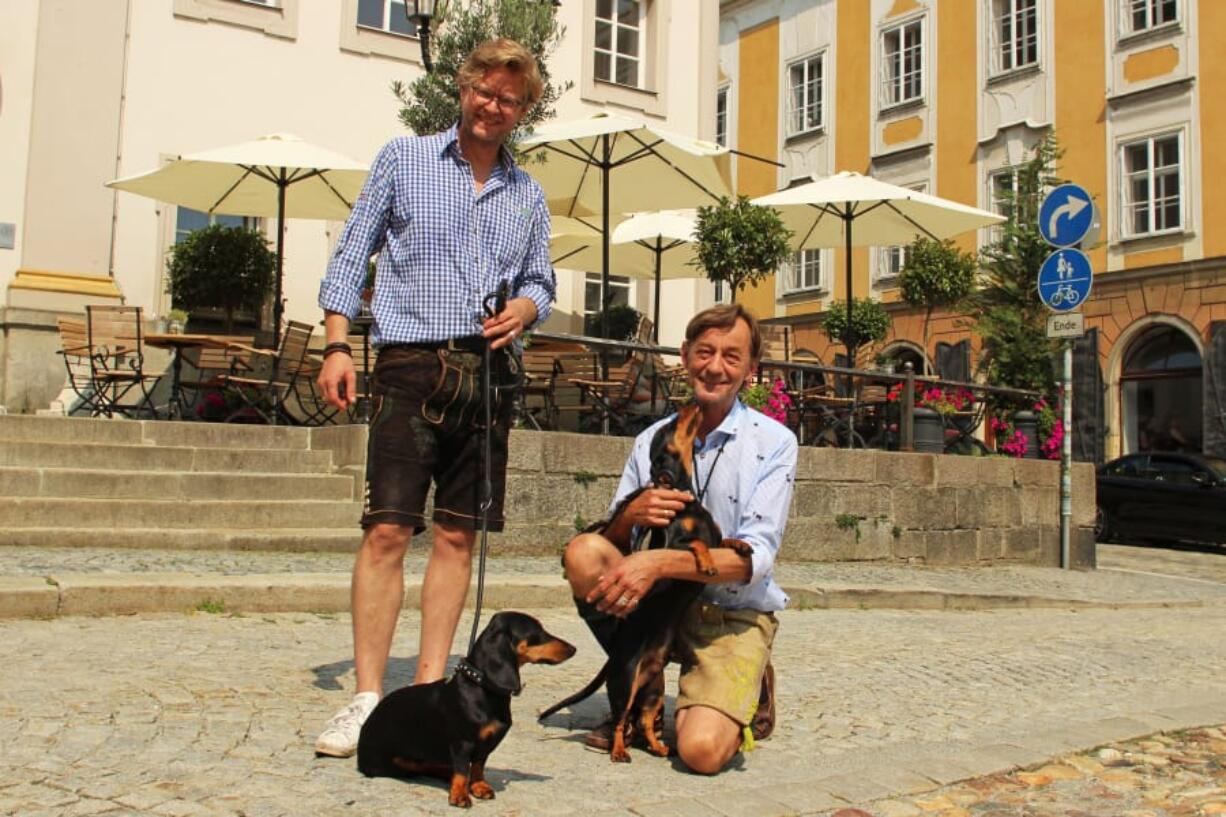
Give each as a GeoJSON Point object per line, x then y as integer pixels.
{"type": "Point", "coordinates": [702, 489]}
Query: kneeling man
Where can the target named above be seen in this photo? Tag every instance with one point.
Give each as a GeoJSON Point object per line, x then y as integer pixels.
{"type": "Point", "coordinates": [744, 467]}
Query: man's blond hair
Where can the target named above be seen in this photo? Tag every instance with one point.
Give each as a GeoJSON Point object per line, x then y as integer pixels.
{"type": "Point", "coordinates": [503, 53]}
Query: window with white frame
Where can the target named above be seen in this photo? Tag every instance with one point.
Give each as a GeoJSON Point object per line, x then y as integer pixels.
{"type": "Point", "coordinates": [619, 295]}
{"type": "Point", "coordinates": [805, 88]}
{"type": "Point", "coordinates": [891, 260]}
{"type": "Point", "coordinates": [721, 116]}
{"type": "Point", "coordinates": [803, 271]}
{"type": "Point", "coordinates": [1002, 194]}
{"type": "Point", "coordinates": [385, 15]}
{"type": "Point", "coordinates": [1152, 185]}
{"type": "Point", "coordinates": [721, 292]}
{"type": "Point", "coordinates": [620, 41]}
{"type": "Point", "coordinates": [188, 220]}
{"type": "Point", "coordinates": [1143, 15]}
{"type": "Point", "coordinates": [1016, 28]}
{"type": "Point", "coordinates": [902, 63]}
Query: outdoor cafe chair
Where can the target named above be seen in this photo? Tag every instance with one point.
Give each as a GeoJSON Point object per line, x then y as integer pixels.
{"type": "Point", "coordinates": [266, 397]}
{"type": "Point", "coordinates": [105, 361]}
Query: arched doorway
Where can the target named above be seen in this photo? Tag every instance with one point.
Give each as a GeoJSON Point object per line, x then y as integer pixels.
{"type": "Point", "coordinates": [1160, 392]}
{"type": "Point", "coordinates": [897, 356]}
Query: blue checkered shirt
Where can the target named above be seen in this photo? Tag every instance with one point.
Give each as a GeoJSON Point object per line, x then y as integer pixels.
{"type": "Point", "coordinates": [746, 470]}
{"type": "Point", "coordinates": [442, 246]}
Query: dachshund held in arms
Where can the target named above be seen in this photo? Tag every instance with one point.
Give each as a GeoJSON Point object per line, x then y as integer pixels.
{"type": "Point", "coordinates": [634, 673]}
{"type": "Point", "coordinates": [447, 729]}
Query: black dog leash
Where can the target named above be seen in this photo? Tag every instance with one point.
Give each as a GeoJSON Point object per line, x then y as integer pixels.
{"type": "Point", "coordinates": [494, 304]}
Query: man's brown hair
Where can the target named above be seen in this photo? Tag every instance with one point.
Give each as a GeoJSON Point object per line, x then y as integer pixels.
{"type": "Point", "coordinates": [503, 53]}
{"type": "Point", "coordinates": [725, 316]}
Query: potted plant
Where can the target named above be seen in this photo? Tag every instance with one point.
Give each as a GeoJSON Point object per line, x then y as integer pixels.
{"type": "Point", "coordinates": [176, 320]}
{"type": "Point", "coordinates": [740, 243]}
{"type": "Point", "coordinates": [227, 268]}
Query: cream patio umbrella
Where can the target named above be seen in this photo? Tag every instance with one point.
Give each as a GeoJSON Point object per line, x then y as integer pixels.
{"type": "Point", "coordinates": [254, 179]}
{"type": "Point", "coordinates": [609, 164]}
{"type": "Point", "coordinates": [850, 210]}
{"type": "Point", "coordinates": [657, 245]}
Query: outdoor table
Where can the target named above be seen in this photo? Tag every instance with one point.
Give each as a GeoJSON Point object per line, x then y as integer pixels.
{"type": "Point", "coordinates": [179, 344]}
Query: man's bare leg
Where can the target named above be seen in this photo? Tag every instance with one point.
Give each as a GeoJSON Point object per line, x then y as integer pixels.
{"type": "Point", "coordinates": [376, 594]}
{"type": "Point", "coordinates": [443, 591]}
{"type": "Point", "coordinates": [706, 739]}
{"type": "Point", "coordinates": [588, 556]}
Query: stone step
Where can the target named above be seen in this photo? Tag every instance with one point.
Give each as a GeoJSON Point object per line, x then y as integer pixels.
{"type": "Point", "coordinates": [148, 513]}
{"type": "Point", "coordinates": [182, 485]}
{"type": "Point", "coordinates": [343, 539]}
{"type": "Point", "coordinates": [518, 540]}
{"type": "Point", "coordinates": [38, 454]}
{"type": "Point", "coordinates": [32, 428]}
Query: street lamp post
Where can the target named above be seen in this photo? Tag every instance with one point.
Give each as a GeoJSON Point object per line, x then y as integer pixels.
{"type": "Point", "coordinates": [420, 13]}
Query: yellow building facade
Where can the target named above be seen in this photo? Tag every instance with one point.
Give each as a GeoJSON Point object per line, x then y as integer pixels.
{"type": "Point", "coordinates": [947, 97]}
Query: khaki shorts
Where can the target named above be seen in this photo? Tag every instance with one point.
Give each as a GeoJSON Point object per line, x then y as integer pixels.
{"type": "Point", "coordinates": [723, 656]}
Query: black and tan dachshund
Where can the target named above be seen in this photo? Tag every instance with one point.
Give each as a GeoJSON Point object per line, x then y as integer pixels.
{"type": "Point", "coordinates": [634, 673]}
{"type": "Point", "coordinates": [447, 729]}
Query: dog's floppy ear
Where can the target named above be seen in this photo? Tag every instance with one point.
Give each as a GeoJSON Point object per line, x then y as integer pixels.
{"type": "Point", "coordinates": [494, 654]}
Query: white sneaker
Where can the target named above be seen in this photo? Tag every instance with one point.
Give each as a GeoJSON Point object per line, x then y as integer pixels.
{"type": "Point", "coordinates": [340, 735]}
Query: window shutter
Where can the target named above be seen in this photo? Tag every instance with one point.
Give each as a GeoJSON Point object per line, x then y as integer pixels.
{"type": "Point", "coordinates": [1088, 414]}
{"type": "Point", "coordinates": [954, 361]}
{"type": "Point", "coordinates": [1213, 387]}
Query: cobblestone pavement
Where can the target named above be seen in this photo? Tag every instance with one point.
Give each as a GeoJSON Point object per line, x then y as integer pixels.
{"type": "Point", "coordinates": [1145, 574]}
{"type": "Point", "coordinates": [1174, 775]}
{"type": "Point", "coordinates": [215, 714]}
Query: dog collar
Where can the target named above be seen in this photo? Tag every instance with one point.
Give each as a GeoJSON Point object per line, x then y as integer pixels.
{"type": "Point", "coordinates": [478, 677]}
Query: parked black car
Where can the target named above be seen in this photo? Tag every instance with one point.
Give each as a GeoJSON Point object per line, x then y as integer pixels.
{"type": "Point", "coordinates": [1162, 497]}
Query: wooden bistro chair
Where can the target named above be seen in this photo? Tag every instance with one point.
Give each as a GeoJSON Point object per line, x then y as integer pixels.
{"type": "Point", "coordinates": [106, 367]}
{"type": "Point", "coordinates": [210, 365]}
{"type": "Point", "coordinates": [266, 397]}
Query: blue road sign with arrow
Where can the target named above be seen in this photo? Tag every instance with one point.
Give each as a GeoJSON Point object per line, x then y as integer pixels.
{"type": "Point", "coordinates": [1065, 280]}
{"type": "Point", "coordinates": [1066, 215]}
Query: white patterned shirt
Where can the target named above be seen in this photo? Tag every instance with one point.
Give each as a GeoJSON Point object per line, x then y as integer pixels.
{"type": "Point", "coordinates": [748, 491]}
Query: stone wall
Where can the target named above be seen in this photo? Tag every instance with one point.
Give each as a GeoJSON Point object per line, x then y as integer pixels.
{"type": "Point", "coordinates": [848, 505]}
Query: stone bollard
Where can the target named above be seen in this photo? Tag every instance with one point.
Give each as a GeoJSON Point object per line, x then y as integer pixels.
{"type": "Point", "coordinates": [1027, 422]}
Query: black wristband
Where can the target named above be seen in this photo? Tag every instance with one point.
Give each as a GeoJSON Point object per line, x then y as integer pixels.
{"type": "Point", "coordinates": [338, 346]}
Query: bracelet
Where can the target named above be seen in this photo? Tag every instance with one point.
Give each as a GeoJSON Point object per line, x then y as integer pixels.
{"type": "Point", "coordinates": [338, 346]}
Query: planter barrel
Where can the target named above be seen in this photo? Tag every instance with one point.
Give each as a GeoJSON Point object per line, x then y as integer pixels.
{"type": "Point", "coordinates": [929, 430]}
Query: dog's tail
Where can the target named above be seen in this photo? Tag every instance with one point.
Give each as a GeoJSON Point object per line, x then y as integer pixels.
{"type": "Point", "coordinates": [587, 691]}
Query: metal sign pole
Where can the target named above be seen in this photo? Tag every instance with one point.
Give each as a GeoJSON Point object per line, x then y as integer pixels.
{"type": "Point", "coordinates": [1066, 457]}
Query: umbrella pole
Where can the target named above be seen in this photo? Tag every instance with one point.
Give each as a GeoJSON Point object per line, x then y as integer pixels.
{"type": "Point", "coordinates": [604, 239]}
{"type": "Point", "coordinates": [277, 306]}
{"type": "Point", "coordinates": [655, 330]}
{"type": "Point", "coordinates": [848, 336]}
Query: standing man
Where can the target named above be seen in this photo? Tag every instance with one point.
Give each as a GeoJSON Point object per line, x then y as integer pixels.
{"type": "Point", "coordinates": [744, 469]}
{"type": "Point", "coordinates": [452, 219]}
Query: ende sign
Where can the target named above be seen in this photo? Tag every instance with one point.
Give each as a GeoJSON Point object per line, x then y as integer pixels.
{"type": "Point", "coordinates": [1069, 325]}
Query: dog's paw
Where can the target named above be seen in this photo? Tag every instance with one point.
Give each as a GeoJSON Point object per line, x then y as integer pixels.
{"type": "Point", "coordinates": [619, 757]}
{"type": "Point", "coordinates": [481, 790]}
{"type": "Point", "coordinates": [660, 749]}
{"type": "Point", "coordinates": [460, 802]}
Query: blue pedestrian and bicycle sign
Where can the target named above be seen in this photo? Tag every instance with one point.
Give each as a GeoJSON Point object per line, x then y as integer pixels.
{"type": "Point", "coordinates": [1065, 280]}
{"type": "Point", "coordinates": [1066, 215]}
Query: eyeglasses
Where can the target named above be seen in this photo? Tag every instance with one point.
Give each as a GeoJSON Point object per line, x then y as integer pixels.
{"type": "Point", "coordinates": [485, 96]}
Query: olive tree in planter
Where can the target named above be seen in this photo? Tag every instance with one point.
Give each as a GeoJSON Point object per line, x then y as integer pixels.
{"type": "Point", "coordinates": [936, 275]}
{"type": "Point", "coordinates": [740, 243]}
{"type": "Point", "coordinates": [870, 323]}
{"type": "Point", "coordinates": [226, 268]}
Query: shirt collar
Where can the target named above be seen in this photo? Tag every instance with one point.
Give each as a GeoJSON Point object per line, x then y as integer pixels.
{"type": "Point", "coordinates": [727, 429]}
{"type": "Point", "coordinates": [450, 142]}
